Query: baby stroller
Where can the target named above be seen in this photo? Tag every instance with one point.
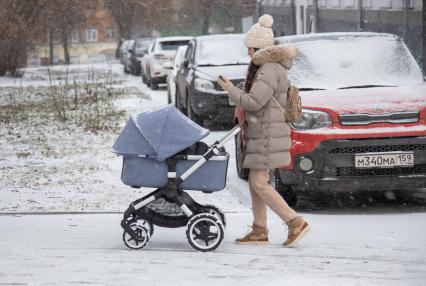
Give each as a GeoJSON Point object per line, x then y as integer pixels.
{"type": "Point", "coordinates": [161, 149]}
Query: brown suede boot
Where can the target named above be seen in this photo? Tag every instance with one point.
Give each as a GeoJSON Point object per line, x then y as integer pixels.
{"type": "Point", "coordinates": [257, 235]}
{"type": "Point", "coordinates": [297, 228]}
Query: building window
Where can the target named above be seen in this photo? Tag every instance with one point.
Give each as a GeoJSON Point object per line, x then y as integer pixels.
{"type": "Point", "coordinates": [366, 4]}
{"type": "Point", "coordinates": [322, 3]}
{"type": "Point", "coordinates": [349, 3]}
{"type": "Point", "coordinates": [385, 4]}
{"type": "Point", "coordinates": [92, 35]}
{"type": "Point", "coordinates": [335, 3]}
{"type": "Point", "coordinates": [109, 34]}
{"type": "Point", "coordinates": [74, 37]}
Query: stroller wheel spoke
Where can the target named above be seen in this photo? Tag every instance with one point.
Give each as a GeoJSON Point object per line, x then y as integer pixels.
{"type": "Point", "coordinates": [204, 232]}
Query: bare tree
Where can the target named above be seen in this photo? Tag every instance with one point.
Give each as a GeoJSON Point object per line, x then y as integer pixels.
{"type": "Point", "coordinates": [16, 33]}
{"type": "Point", "coordinates": [60, 17]}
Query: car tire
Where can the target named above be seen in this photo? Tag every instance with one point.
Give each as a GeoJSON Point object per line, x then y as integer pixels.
{"type": "Point", "coordinates": [287, 192]}
{"type": "Point", "coordinates": [191, 113]}
{"type": "Point", "coordinates": [243, 173]}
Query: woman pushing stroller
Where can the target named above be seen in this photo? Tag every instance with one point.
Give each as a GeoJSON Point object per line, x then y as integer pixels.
{"type": "Point", "coordinates": [268, 134]}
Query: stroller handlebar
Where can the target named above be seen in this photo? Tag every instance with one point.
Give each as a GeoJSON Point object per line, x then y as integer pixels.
{"type": "Point", "coordinates": [228, 136]}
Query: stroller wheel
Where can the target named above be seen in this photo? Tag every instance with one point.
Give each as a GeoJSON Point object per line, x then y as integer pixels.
{"type": "Point", "coordinates": [204, 232]}
{"type": "Point", "coordinates": [143, 235]}
{"type": "Point", "coordinates": [216, 212]}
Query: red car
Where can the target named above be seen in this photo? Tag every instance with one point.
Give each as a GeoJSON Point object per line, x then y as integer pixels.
{"type": "Point", "coordinates": [364, 116]}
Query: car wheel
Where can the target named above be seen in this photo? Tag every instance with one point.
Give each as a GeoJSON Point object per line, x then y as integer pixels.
{"type": "Point", "coordinates": [191, 113]}
{"type": "Point", "coordinates": [243, 173]}
{"type": "Point", "coordinates": [286, 191]}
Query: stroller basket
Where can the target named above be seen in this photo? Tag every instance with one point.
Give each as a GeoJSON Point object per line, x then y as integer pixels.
{"type": "Point", "coordinates": [147, 172]}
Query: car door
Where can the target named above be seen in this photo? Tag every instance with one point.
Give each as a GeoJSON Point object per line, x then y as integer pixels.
{"type": "Point", "coordinates": [183, 72]}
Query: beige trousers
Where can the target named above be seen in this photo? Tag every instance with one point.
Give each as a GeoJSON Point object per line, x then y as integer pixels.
{"type": "Point", "coordinates": [262, 195]}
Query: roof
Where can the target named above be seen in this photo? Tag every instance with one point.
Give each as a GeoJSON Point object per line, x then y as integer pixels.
{"type": "Point", "coordinates": [218, 36]}
{"type": "Point", "coordinates": [178, 38]}
{"type": "Point", "coordinates": [315, 36]}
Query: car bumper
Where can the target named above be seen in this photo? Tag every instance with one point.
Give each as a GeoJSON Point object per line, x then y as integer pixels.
{"type": "Point", "coordinates": [212, 105]}
{"type": "Point", "coordinates": [334, 167]}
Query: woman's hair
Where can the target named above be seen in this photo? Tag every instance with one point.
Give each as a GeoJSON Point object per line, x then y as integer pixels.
{"type": "Point", "coordinates": [251, 74]}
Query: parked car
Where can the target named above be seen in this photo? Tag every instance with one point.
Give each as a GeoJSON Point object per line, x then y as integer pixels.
{"type": "Point", "coordinates": [207, 57]}
{"type": "Point", "coordinates": [124, 52]}
{"type": "Point", "coordinates": [138, 49]}
{"type": "Point", "coordinates": [173, 68]}
{"type": "Point", "coordinates": [162, 50]}
{"type": "Point", "coordinates": [364, 116]}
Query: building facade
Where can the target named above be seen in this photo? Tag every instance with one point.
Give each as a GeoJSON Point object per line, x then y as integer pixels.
{"type": "Point", "coordinates": [89, 42]}
{"type": "Point", "coordinates": [400, 17]}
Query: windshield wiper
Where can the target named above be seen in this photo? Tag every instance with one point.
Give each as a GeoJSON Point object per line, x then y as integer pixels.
{"type": "Point", "coordinates": [365, 86]}
{"type": "Point", "coordinates": [310, 88]}
{"type": "Point", "coordinates": [219, 65]}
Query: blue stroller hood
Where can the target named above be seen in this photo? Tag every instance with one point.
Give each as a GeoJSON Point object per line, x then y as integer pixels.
{"type": "Point", "coordinates": [158, 134]}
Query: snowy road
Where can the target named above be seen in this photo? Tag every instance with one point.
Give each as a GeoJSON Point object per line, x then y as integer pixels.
{"type": "Point", "coordinates": [87, 250]}
{"type": "Point", "coordinates": [349, 247]}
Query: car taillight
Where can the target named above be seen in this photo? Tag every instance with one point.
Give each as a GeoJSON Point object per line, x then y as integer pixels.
{"type": "Point", "coordinates": [160, 57]}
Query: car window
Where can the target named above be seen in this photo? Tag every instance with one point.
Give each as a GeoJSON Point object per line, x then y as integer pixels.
{"type": "Point", "coordinates": [141, 45]}
{"type": "Point", "coordinates": [354, 61]}
{"type": "Point", "coordinates": [172, 45]}
{"type": "Point", "coordinates": [221, 51]}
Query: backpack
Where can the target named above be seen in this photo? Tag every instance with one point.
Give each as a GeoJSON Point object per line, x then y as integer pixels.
{"type": "Point", "coordinates": [293, 107]}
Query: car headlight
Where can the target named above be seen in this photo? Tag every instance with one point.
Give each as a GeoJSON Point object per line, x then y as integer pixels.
{"type": "Point", "coordinates": [203, 85]}
{"type": "Point", "coordinates": [312, 119]}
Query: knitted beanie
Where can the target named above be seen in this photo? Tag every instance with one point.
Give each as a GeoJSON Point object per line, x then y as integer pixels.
{"type": "Point", "coordinates": [260, 34]}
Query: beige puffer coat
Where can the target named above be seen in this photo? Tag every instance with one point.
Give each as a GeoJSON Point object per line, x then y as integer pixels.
{"type": "Point", "coordinates": [268, 135]}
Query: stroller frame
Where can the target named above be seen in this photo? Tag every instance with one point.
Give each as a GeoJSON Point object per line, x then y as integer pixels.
{"type": "Point", "coordinates": [138, 220]}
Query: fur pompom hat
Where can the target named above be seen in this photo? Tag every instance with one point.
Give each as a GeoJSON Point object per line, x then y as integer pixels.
{"type": "Point", "coordinates": [260, 34]}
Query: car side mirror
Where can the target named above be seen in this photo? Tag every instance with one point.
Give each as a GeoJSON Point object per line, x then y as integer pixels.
{"type": "Point", "coordinates": [168, 65]}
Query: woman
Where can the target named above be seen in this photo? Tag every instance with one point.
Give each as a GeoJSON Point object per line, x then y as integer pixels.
{"type": "Point", "coordinates": [267, 134]}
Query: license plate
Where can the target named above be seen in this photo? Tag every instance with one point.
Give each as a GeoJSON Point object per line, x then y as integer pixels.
{"type": "Point", "coordinates": [384, 160]}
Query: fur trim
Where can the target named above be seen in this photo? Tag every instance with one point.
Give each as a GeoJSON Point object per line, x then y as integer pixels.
{"type": "Point", "coordinates": [274, 54]}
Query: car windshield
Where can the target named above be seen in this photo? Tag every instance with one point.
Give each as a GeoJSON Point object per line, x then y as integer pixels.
{"type": "Point", "coordinates": [172, 45]}
{"type": "Point", "coordinates": [357, 61]}
{"type": "Point", "coordinates": [141, 45]}
{"type": "Point", "coordinates": [221, 51]}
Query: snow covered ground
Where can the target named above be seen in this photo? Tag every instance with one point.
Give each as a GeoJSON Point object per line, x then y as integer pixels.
{"type": "Point", "coordinates": [62, 169]}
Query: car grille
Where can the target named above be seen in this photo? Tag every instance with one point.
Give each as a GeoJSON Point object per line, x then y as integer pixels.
{"type": "Point", "coordinates": [365, 119]}
{"type": "Point", "coordinates": [353, 172]}
{"type": "Point", "coordinates": [383, 148]}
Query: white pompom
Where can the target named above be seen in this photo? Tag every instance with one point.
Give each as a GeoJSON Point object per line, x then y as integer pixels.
{"type": "Point", "coordinates": [266, 21]}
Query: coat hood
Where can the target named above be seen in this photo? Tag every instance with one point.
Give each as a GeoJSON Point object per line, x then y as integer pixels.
{"type": "Point", "coordinates": [283, 54]}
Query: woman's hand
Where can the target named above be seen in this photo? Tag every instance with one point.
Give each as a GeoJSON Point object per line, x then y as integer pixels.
{"type": "Point", "coordinates": [225, 83]}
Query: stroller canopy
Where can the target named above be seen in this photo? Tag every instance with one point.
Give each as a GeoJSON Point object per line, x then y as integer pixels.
{"type": "Point", "coordinates": [159, 134]}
